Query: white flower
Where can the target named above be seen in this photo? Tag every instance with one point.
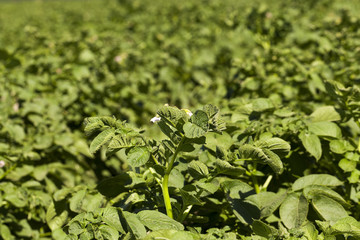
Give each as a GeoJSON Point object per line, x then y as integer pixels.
{"type": "Point", "coordinates": [2, 164]}
{"type": "Point", "coordinates": [155, 119]}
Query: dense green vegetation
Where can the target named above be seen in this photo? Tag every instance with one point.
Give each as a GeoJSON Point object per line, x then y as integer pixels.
{"type": "Point", "coordinates": [215, 119]}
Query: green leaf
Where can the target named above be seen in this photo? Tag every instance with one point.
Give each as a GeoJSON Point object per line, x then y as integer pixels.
{"type": "Point", "coordinates": [262, 104]}
{"type": "Point", "coordinates": [268, 202]}
{"type": "Point", "coordinates": [101, 139]}
{"type": "Point", "coordinates": [121, 141]}
{"type": "Point", "coordinates": [262, 155]}
{"type": "Point", "coordinates": [340, 146]}
{"type": "Point", "coordinates": [328, 209]}
{"type": "Point", "coordinates": [111, 216]}
{"type": "Point", "coordinates": [175, 116]}
{"type": "Point", "coordinates": [108, 232]}
{"type": "Point", "coordinates": [223, 167]}
{"type": "Point", "coordinates": [312, 144]}
{"type": "Point", "coordinates": [155, 220]}
{"type": "Point", "coordinates": [169, 132]}
{"type": "Point", "coordinates": [189, 198]}
{"type": "Point", "coordinates": [5, 232]}
{"type": "Point", "coordinates": [193, 131]}
{"type": "Point", "coordinates": [138, 156]}
{"type": "Point", "coordinates": [211, 110]}
{"type": "Point", "coordinates": [113, 186]}
{"type": "Point", "coordinates": [325, 113]}
{"type": "Point", "coordinates": [262, 229]}
{"type": "Point", "coordinates": [76, 200]}
{"type": "Point", "coordinates": [198, 170]}
{"type": "Point", "coordinates": [245, 211]}
{"type": "Point", "coordinates": [92, 127]}
{"type": "Point", "coordinates": [347, 226]}
{"type": "Point", "coordinates": [310, 232]}
{"type": "Point", "coordinates": [316, 179]}
{"type": "Point", "coordinates": [172, 234]}
{"type": "Point", "coordinates": [200, 118]}
{"type": "Point", "coordinates": [325, 129]}
{"type": "Point", "coordinates": [137, 228]}
{"type": "Point", "coordinates": [294, 210]}
{"type": "Point", "coordinates": [314, 190]}
{"type": "Point", "coordinates": [277, 145]}
{"type": "Point", "coordinates": [347, 165]}
{"type": "Point", "coordinates": [56, 215]}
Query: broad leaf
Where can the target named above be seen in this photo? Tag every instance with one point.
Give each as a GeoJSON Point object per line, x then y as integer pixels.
{"type": "Point", "coordinates": [198, 170]}
{"type": "Point", "coordinates": [138, 156]}
{"type": "Point", "coordinates": [315, 190]}
{"type": "Point", "coordinates": [268, 202]}
{"type": "Point", "coordinates": [326, 113]}
{"type": "Point", "coordinates": [193, 131]}
{"type": "Point", "coordinates": [155, 220]}
{"type": "Point", "coordinates": [294, 210]}
{"type": "Point", "coordinates": [135, 225]}
{"type": "Point", "coordinates": [328, 209]}
{"type": "Point", "coordinates": [312, 144]}
{"type": "Point", "coordinates": [316, 179]}
{"type": "Point", "coordinates": [325, 129]}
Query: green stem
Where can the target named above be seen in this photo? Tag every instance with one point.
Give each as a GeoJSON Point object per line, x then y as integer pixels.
{"type": "Point", "coordinates": [165, 182]}
{"type": "Point", "coordinates": [165, 190]}
{"type": "Point", "coordinates": [256, 184]}
{"type": "Point", "coordinates": [267, 182]}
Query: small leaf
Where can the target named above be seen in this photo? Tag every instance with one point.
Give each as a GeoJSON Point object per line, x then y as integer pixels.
{"type": "Point", "coordinates": [347, 165]}
{"type": "Point", "coordinates": [312, 144]}
{"type": "Point", "coordinates": [155, 220]}
{"type": "Point", "coordinates": [328, 209]}
{"type": "Point", "coordinates": [101, 139]}
{"type": "Point", "coordinates": [138, 156]}
{"type": "Point", "coordinates": [108, 232]}
{"type": "Point", "coordinates": [193, 131]}
{"type": "Point", "coordinates": [268, 202]}
{"type": "Point", "coordinates": [276, 145]}
{"type": "Point", "coordinates": [347, 226]}
{"type": "Point", "coordinates": [189, 198]}
{"type": "Point", "coordinates": [294, 210]}
{"type": "Point", "coordinates": [111, 216]}
{"type": "Point", "coordinates": [76, 200]}
{"type": "Point", "coordinates": [92, 127]}
{"type": "Point", "coordinates": [264, 230]}
{"type": "Point", "coordinates": [262, 104]}
{"type": "Point", "coordinates": [198, 170]}
{"type": "Point", "coordinates": [200, 118]}
{"type": "Point", "coordinates": [223, 167]}
{"type": "Point", "coordinates": [263, 156]}
{"type": "Point", "coordinates": [137, 228]}
{"type": "Point", "coordinates": [316, 179]}
{"type": "Point", "coordinates": [175, 116]}
{"type": "Point", "coordinates": [340, 146]}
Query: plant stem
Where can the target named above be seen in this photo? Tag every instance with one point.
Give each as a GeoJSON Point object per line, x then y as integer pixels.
{"type": "Point", "coordinates": [267, 182]}
{"type": "Point", "coordinates": [165, 182]}
{"type": "Point", "coordinates": [256, 184]}
{"type": "Point", "coordinates": [165, 190]}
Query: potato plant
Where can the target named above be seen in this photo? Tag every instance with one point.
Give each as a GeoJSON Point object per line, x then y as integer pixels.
{"type": "Point", "coordinates": [179, 119]}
